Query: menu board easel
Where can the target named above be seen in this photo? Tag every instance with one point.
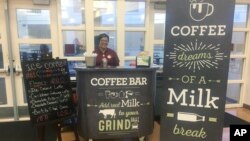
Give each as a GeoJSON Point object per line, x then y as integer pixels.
{"type": "Point", "coordinates": [48, 91]}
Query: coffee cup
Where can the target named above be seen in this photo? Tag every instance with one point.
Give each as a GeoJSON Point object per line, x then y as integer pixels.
{"type": "Point", "coordinates": [199, 11]}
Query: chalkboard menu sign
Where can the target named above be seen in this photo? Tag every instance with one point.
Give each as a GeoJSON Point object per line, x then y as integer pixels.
{"type": "Point", "coordinates": [196, 60]}
{"type": "Point", "coordinates": [49, 95]}
{"type": "Point", "coordinates": [115, 103]}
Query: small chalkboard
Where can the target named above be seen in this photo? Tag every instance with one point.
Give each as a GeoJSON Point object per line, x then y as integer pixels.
{"type": "Point", "coordinates": [48, 90]}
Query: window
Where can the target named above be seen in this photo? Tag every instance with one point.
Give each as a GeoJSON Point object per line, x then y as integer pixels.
{"type": "Point", "coordinates": [74, 43]}
{"type": "Point", "coordinates": [135, 14]}
{"type": "Point", "coordinates": [237, 59]}
{"type": "Point", "coordinates": [235, 69]}
{"type": "Point", "coordinates": [159, 26]}
{"type": "Point", "coordinates": [3, 98]}
{"type": "Point", "coordinates": [158, 54]}
{"type": "Point", "coordinates": [240, 16]}
{"type": "Point", "coordinates": [30, 52]}
{"type": "Point", "coordinates": [33, 23]}
{"type": "Point", "coordinates": [238, 43]}
{"type": "Point", "coordinates": [233, 93]}
{"type": "Point", "coordinates": [74, 64]}
{"type": "Point", "coordinates": [134, 43]}
{"type": "Point", "coordinates": [104, 13]}
{"type": "Point", "coordinates": [72, 12]}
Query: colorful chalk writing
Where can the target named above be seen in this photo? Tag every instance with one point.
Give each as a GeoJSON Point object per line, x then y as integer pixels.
{"type": "Point", "coordinates": [49, 94]}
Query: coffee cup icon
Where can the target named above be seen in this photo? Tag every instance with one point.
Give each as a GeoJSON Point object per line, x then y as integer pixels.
{"type": "Point", "coordinates": [199, 11]}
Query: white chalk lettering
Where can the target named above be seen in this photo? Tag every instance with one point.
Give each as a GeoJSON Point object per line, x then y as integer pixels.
{"type": "Point", "coordinates": [123, 81]}
{"type": "Point", "coordinates": [210, 30]}
{"type": "Point", "coordinates": [210, 101]}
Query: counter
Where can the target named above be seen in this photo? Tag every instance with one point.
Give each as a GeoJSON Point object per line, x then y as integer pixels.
{"type": "Point", "coordinates": [115, 102]}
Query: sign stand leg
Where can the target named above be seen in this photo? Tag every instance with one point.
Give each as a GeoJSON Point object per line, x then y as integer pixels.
{"type": "Point", "coordinates": [59, 126]}
{"type": "Point", "coordinates": [58, 131]}
{"type": "Point", "coordinates": [40, 133]}
{"type": "Point", "coordinates": [142, 138]}
{"type": "Point", "coordinates": [76, 132]}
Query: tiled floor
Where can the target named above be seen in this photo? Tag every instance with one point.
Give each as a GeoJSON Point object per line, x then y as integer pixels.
{"type": "Point", "coordinates": [155, 136]}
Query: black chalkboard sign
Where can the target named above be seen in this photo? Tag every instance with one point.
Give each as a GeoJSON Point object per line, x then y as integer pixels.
{"type": "Point", "coordinates": [196, 60]}
{"type": "Point", "coordinates": [48, 90]}
{"type": "Point", "coordinates": [115, 102]}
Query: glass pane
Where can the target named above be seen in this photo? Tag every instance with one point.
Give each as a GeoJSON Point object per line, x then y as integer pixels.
{"type": "Point", "coordinates": [6, 113]}
{"type": "Point", "coordinates": [74, 43]}
{"type": "Point", "coordinates": [112, 39]}
{"type": "Point", "coordinates": [23, 111]}
{"type": "Point", "coordinates": [105, 13]}
{"type": "Point", "coordinates": [134, 14]}
{"type": "Point", "coordinates": [130, 63]}
{"type": "Point", "coordinates": [1, 57]}
{"type": "Point", "coordinates": [72, 12]}
{"type": "Point", "coordinates": [134, 43]}
{"type": "Point", "coordinates": [159, 26]}
{"type": "Point", "coordinates": [235, 69]}
{"type": "Point", "coordinates": [33, 23]}
{"type": "Point", "coordinates": [238, 43]}
{"type": "Point", "coordinates": [158, 54]}
{"type": "Point", "coordinates": [240, 15]}
{"type": "Point", "coordinates": [74, 64]}
{"type": "Point", "coordinates": [35, 51]}
{"type": "Point", "coordinates": [3, 95]}
{"type": "Point", "coordinates": [233, 93]}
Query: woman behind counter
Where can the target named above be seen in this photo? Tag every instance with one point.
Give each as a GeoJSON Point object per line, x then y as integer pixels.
{"type": "Point", "coordinates": [104, 53]}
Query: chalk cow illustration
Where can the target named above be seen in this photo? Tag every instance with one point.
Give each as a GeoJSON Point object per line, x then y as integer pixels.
{"type": "Point", "coordinates": [107, 112]}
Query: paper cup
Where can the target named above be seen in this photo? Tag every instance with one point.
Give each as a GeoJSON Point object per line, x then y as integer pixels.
{"type": "Point", "coordinates": [90, 61]}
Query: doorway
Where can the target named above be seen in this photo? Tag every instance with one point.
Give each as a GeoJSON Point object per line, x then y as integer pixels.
{"type": "Point", "coordinates": [27, 28]}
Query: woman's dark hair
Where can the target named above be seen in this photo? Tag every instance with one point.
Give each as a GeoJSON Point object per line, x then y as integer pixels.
{"type": "Point", "coordinates": [103, 35]}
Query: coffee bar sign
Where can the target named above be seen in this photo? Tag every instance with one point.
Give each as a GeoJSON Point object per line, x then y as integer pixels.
{"type": "Point", "coordinates": [197, 50]}
{"type": "Point", "coordinates": [116, 103]}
